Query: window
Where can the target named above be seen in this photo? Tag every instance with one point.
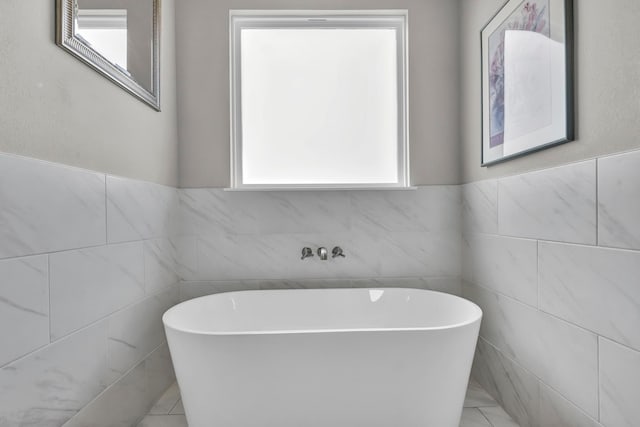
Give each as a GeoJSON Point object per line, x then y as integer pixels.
{"type": "Point", "coordinates": [319, 99]}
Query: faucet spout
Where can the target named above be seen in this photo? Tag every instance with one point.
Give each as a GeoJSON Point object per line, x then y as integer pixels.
{"type": "Point", "coordinates": [322, 253]}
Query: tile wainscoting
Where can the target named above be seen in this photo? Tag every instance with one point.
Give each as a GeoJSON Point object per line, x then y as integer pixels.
{"type": "Point", "coordinates": [87, 268]}
{"type": "Point", "coordinates": [553, 259]}
{"type": "Point", "coordinates": [89, 263]}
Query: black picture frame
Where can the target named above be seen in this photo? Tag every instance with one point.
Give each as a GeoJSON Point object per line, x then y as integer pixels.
{"type": "Point", "coordinates": [543, 32]}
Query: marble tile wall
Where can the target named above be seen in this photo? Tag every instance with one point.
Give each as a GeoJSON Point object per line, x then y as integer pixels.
{"type": "Point", "coordinates": [87, 267]}
{"type": "Point", "coordinates": [553, 259]}
{"type": "Point", "coordinates": [239, 240]}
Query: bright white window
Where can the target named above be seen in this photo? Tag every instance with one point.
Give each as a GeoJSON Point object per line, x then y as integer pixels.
{"type": "Point", "coordinates": [319, 99]}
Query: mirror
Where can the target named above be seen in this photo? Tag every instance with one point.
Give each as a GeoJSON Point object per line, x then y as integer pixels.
{"type": "Point", "coordinates": [118, 38]}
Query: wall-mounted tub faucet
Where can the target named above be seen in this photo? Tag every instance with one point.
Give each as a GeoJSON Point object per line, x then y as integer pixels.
{"type": "Point", "coordinates": [306, 253]}
{"type": "Point", "coordinates": [322, 253]}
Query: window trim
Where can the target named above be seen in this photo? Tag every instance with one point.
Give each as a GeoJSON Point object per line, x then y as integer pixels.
{"type": "Point", "coordinates": [396, 19]}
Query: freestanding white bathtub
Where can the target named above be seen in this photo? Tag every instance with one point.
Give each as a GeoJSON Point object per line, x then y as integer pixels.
{"type": "Point", "coordinates": [323, 358]}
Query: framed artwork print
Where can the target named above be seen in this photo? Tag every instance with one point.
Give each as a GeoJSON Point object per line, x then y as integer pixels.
{"type": "Point", "coordinates": [527, 79]}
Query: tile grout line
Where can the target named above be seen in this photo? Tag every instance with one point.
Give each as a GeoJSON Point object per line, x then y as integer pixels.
{"type": "Point", "coordinates": [533, 374]}
{"type": "Point", "coordinates": [486, 418]}
{"type": "Point", "coordinates": [49, 289]}
{"type": "Point", "coordinates": [599, 377]}
{"type": "Point", "coordinates": [106, 212]}
{"type": "Point", "coordinates": [597, 203]}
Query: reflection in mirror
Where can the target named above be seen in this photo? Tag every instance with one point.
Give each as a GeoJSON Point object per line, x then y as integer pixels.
{"type": "Point", "coordinates": [118, 38]}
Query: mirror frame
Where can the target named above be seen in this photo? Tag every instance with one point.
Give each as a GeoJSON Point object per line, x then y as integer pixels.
{"type": "Point", "coordinates": [65, 38]}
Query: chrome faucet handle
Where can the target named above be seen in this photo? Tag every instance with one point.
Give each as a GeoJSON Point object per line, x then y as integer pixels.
{"type": "Point", "coordinates": [322, 253]}
{"type": "Point", "coordinates": [306, 253]}
{"type": "Point", "coordinates": [337, 251]}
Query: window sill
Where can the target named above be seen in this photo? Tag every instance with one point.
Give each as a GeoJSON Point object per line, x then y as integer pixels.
{"type": "Point", "coordinates": [302, 188]}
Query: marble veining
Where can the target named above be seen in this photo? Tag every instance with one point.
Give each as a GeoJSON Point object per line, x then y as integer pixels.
{"type": "Point", "coordinates": [556, 204]}
{"type": "Point", "coordinates": [126, 401]}
{"type": "Point", "coordinates": [49, 386]}
{"type": "Point", "coordinates": [387, 233]}
{"type": "Point", "coordinates": [278, 256]}
{"type": "Point", "coordinates": [426, 209]}
{"type": "Point", "coordinates": [513, 386]}
{"type": "Point", "coordinates": [214, 211]}
{"type": "Point", "coordinates": [596, 288]}
{"type": "Point", "coordinates": [47, 207]}
{"type": "Point", "coordinates": [135, 331]}
{"type": "Point", "coordinates": [139, 210]}
{"type": "Point", "coordinates": [556, 411]}
{"type": "Point", "coordinates": [89, 284]}
{"type": "Point", "coordinates": [562, 355]}
{"type": "Point", "coordinates": [480, 207]}
{"type": "Point", "coordinates": [24, 306]}
{"type": "Point", "coordinates": [619, 200]}
{"type": "Point", "coordinates": [160, 265]}
{"type": "Point", "coordinates": [504, 264]}
{"type": "Point", "coordinates": [82, 340]}
{"type": "Point", "coordinates": [619, 385]}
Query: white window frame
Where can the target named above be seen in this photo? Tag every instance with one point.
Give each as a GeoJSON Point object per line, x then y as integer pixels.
{"type": "Point", "coordinates": [390, 19]}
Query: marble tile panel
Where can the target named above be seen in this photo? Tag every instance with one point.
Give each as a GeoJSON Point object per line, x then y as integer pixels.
{"type": "Point", "coordinates": [122, 404]}
{"type": "Point", "coordinates": [515, 388]}
{"type": "Point", "coordinates": [562, 355]}
{"type": "Point", "coordinates": [139, 210]}
{"type": "Point", "coordinates": [159, 373]}
{"type": "Point", "coordinates": [556, 411]}
{"type": "Point", "coordinates": [160, 265]}
{"type": "Point", "coordinates": [89, 284]}
{"type": "Point", "coordinates": [24, 306]}
{"type": "Point", "coordinates": [46, 207]}
{"type": "Point", "coordinates": [480, 207]}
{"type": "Point", "coordinates": [472, 417]}
{"type": "Point", "coordinates": [213, 211]}
{"type": "Point", "coordinates": [186, 257]}
{"type": "Point", "coordinates": [505, 265]}
{"type": "Point", "coordinates": [49, 386]}
{"type": "Point", "coordinates": [619, 385]}
{"type": "Point", "coordinates": [619, 200]}
{"type": "Point", "coordinates": [277, 256]}
{"type": "Point", "coordinates": [417, 254]}
{"type": "Point", "coordinates": [596, 288]}
{"type": "Point", "coordinates": [556, 204]}
{"type": "Point", "coordinates": [426, 209]}
{"type": "Point", "coordinates": [137, 330]}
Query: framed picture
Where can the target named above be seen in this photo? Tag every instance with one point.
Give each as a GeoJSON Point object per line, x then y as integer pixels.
{"type": "Point", "coordinates": [527, 79]}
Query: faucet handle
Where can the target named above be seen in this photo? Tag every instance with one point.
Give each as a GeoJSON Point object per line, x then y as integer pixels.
{"type": "Point", "coordinates": [322, 253]}
{"type": "Point", "coordinates": [337, 251]}
{"type": "Point", "coordinates": [306, 253]}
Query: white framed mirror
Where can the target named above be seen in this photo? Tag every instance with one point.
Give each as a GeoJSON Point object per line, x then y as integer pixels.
{"type": "Point", "coordinates": [120, 39]}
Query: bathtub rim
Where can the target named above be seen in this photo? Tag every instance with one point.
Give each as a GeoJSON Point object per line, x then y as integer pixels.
{"type": "Point", "coordinates": [476, 315]}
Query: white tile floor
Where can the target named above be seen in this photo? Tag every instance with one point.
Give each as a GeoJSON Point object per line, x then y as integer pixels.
{"type": "Point", "coordinates": [480, 410]}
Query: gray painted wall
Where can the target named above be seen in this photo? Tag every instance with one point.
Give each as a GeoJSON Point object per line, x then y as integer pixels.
{"type": "Point", "coordinates": [203, 85]}
{"type": "Point", "coordinates": [54, 107]}
{"type": "Point", "coordinates": [607, 86]}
